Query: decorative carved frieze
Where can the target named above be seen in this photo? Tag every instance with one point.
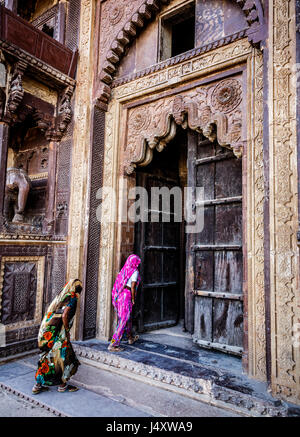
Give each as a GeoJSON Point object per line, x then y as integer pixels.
{"type": "Point", "coordinates": [180, 69]}
{"type": "Point", "coordinates": [214, 110]}
{"type": "Point", "coordinates": [255, 222]}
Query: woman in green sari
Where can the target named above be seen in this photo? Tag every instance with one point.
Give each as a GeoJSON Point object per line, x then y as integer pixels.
{"type": "Point", "coordinates": [58, 361]}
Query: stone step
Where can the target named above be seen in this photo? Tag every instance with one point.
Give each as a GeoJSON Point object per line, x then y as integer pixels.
{"type": "Point", "coordinates": [102, 393]}
{"type": "Point", "coordinates": [188, 373]}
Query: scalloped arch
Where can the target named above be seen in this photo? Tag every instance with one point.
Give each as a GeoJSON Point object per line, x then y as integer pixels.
{"type": "Point", "coordinates": [252, 10]}
{"type": "Point", "coordinates": [181, 112]}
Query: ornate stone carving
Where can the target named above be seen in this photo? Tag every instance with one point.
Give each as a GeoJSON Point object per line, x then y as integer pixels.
{"type": "Point", "coordinates": [139, 119]}
{"type": "Point", "coordinates": [226, 96]}
{"type": "Point", "coordinates": [181, 68]}
{"type": "Point", "coordinates": [154, 125]}
{"type": "Point", "coordinates": [29, 272]}
{"type": "Point", "coordinates": [16, 91]}
{"type": "Point", "coordinates": [126, 30]}
{"type": "Point", "coordinates": [255, 222]}
{"type": "Point", "coordinates": [18, 294]}
{"type": "Point", "coordinates": [56, 126]}
{"type": "Point", "coordinates": [116, 14]}
{"type": "Point", "coordinates": [17, 188]}
{"type": "Point", "coordinates": [284, 264]}
{"type": "Point", "coordinates": [65, 109]}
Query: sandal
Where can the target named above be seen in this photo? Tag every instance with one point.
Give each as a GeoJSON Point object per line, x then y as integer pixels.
{"type": "Point", "coordinates": [115, 348]}
{"type": "Point", "coordinates": [133, 339]}
{"type": "Point", "coordinates": [67, 387]}
{"type": "Point", "coordinates": [36, 389]}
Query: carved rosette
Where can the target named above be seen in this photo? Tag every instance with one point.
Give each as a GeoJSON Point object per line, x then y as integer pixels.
{"type": "Point", "coordinates": [154, 125]}
{"type": "Point", "coordinates": [226, 96]}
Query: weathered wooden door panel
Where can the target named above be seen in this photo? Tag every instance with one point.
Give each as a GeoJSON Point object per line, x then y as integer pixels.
{"type": "Point", "coordinates": [228, 271]}
{"type": "Point", "coordinates": [214, 255]}
{"type": "Point", "coordinates": [228, 322]}
{"type": "Point", "coordinates": [203, 320]}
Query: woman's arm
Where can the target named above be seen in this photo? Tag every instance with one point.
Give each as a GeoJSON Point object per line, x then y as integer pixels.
{"type": "Point", "coordinates": [133, 285]}
{"type": "Point", "coordinates": [65, 318]}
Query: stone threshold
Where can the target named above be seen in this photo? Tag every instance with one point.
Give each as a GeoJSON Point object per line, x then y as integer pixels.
{"type": "Point", "coordinates": [162, 366]}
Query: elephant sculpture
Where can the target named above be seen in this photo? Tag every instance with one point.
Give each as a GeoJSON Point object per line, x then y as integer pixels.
{"type": "Point", "coordinates": [17, 188]}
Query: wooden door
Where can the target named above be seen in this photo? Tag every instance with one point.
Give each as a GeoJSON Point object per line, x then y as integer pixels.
{"type": "Point", "coordinates": [158, 245]}
{"type": "Point", "coordinates": [214, 309]}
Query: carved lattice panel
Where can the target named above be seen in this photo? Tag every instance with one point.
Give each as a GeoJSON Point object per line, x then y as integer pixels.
{"type": "Point", "coordinates": [19, 292]}
{"type": "Point", "coordinates": [90, 315]}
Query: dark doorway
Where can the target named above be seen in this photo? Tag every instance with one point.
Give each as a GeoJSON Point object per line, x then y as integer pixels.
{"type": "Point", "coordinates": [160, 244]}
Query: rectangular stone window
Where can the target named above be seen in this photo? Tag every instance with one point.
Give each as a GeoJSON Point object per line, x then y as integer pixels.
{"type": "Point", "coordinates": [177, 31]}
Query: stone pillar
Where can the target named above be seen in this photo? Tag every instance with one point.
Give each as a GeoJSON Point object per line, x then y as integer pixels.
{"type": "Point", "coordinates": [80, 179]}
{"type": "Point", "coordinates": [297, 78]}
{"type": "Point", "coordinates": [50, 216]}
{"type": "Point", "coordinates": [284, 258]}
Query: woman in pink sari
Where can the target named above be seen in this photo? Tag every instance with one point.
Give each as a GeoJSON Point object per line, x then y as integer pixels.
{"type": "Point", "coordinates": [123, 297]}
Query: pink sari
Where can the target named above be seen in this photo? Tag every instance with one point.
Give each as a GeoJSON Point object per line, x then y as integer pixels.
{"type": "Point", "coordinates": [121, 298]}
{"type": "Point", "coordinates": [130, 266]}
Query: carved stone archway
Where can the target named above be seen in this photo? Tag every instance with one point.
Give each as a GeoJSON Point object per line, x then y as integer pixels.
{"type": "Point", "coordinates": [214, 111]}
{"type": "Point", "coordinates": [148, 10]}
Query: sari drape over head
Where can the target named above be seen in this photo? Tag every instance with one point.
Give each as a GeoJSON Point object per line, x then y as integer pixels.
{"type": "Point", "coordinates": [130, 266]}
{"type": "Point", "coordinates": [122, 299]}
{"type": "Point", "coordinates": [58, 361]}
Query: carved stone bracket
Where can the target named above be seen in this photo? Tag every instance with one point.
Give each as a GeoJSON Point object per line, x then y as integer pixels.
{"type": "Point", "coordinates": [252, 10]}
{"type": "Point", "coordinates": [16, 91]}
{"type": "Point", "coordinates": [53, 126]}
{"type": "Point", "coordinates": [213, 111]}
{"type": "Point", "coordinates": [60, 123]}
